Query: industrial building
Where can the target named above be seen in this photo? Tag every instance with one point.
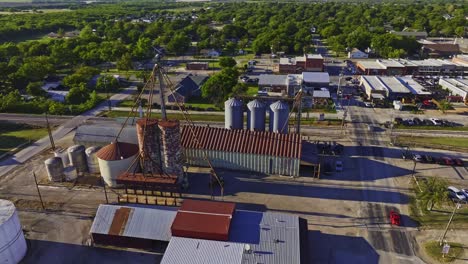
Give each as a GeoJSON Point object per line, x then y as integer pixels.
{"type": "Point", "coordinates": [315, 80]}
{"type": "Point", "coordinates": [204, 232]}
{"type": "Point", "coordinates": [290, 84]}
{"type": "Point", "coordinates": [457, 87]}
{"type": "Point", "coordinates": [103, 134]}
{"type": "Point", "coordinates": [263, 152]}
{"type": "Point", "coordinates": [378, 88]}
{"type": "Point", "coordinates": [307, 62]}
{"type": "Point", "coordinates": [411, 67]}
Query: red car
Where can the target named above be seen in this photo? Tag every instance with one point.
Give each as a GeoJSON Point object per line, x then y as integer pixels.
{"type": "Point", "coordinates": [446, 161]}
{"type": "Point", "coordinates": [395, 218]}
{"type": "Point", "coordinates": [458, 162]}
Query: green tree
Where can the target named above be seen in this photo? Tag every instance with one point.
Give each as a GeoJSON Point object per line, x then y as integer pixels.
{"type": "Point", "coordinates": [227, 62]}
{"type": "Point", "coordinates": [125, 62]}
{"type": "Point", "coordinates": [35, 89]}
{"type": "Point", "coordinates": [220, 85]}
{"type": "Point", "coordinates": [444, 105]}
{"type": "Point", "coordinates": [433, 192]}
{"type": "Point", "coordinates": [179, 44]}
{"type": "Point", "coordinates": [143, 48]}
{"type": "Point", "coordinates": [78, 94]}
{"type": "Point", "coordinates": [107, 83]}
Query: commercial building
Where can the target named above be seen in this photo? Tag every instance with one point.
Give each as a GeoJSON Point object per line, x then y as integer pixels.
{"type": "Point", "coordinates": [291, 83]}
{"type": "Point", "coordinates": [204, 232]}
{"type": "Point", "coordinates": [457, 87]}
{"type": "Point", "coordinates": [263, 152]}
{"type": "Point", "coordinates": [315, 80]}
{"type": "Point", "coordinates": [411, 67]}
{"type": "Point", "coordinates": [393, 88]}
{"type": "Point", "coordinates": [308, 62]}
{"type": "Point", "coordinates": [273, 83]}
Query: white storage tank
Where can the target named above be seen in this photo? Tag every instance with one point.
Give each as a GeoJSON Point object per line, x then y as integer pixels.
{"type": "Point", "coordinates": [54, 168]}
{"type": "Point", "coordinates": [280, 117]}
{"type": "Point", "coordinates": [63, 154]}
{"type": "Point", "coordinates": [256, 115]}
{"type": "Point", "coordinates": [12, 243]}
{"type": "Point", "coordinates": [116, 158]}
{"type": "Point", "coordinates": [92, 161]}
{"type": "Point", "coordinates": [233, 114]}
{"type": "Point", "coordinates": [77, 157]}
{"type": "Point", "coordinates": [70, 173]}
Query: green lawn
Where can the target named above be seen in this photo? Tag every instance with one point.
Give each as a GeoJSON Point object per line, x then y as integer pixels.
{"type": "Point", "coordinates": [434, 250]}
{"type": "Point", "coordinates": [252, 90]}
{"type": "Point", "coordinates": [442, 142]}
{"type": "Point", "coordinates": [194, 117]}
{"type": "Point", "coordinates": [439, 216]}
{"type": "Point", "coordinates": [201, 103]}
{"type": "Point", "coordinates": [13, 135]}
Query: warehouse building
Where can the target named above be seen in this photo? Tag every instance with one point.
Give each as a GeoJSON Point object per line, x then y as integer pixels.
{"type": "Point", "coordinates": [457, 87]}
{"type": "Point", "coordinates": [263, 152]}
{"type": "Point", "coordinates": [201, 232]}
{"type": "Point", "coordinates": [103, 134]}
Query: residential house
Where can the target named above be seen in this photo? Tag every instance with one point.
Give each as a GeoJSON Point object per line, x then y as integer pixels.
{"type": "Point", "coordinates": [357, 54]}
{"type": "Point", "coordinates": [210, 53]}
{"type": "Point", "coordinates": [440, 50]}
{"type": "Point", "coordinates": [188, 87]}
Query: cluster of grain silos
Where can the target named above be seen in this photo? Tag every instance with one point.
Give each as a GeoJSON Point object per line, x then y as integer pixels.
{"type": "Point", "coordinates": [67, 164]}
{"type": "Point", "coordinates": [256, 115]}
{"type": "Point", "coordinates": [12, 242]}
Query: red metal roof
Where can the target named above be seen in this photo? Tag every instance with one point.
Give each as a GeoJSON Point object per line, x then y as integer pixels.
{"type": "Point", "coordinates": [203, 220]}
{"type": "Point", "coordinates": [117, 151]}
{"type": "Point", "coordinates": [243, 141]}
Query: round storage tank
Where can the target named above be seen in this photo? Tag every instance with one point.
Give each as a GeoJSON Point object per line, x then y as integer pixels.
{"type": "Point", "coordinates": [171, 149]}
{"type": "Point", "coordinates": [233, 114]}
{"type": "Point", "coordinates": [77, 157]}
{"type": "Point", "coordinates": [12, 243]}
{"type": "Point", "coordinates": [54, 168]}
{"type": "Point", "coordinates": [280, 117]}
{"type": "Point", "coordinates": [92, 161]}
{"type": "Point", "coordinates": [256, 115]}
{"type": "Point", "coordinates": [63, 154]}
{"type": "Point", "coordinates": [115, 159]}
{"type": "Point", "coordinates": [70, 173]}
{"type": "Point", "coordinates": [149, 143]}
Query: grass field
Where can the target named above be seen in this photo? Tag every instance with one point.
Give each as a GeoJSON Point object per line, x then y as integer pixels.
{"type": "Point", "coordinates": [443, 142]}
{"type": "Point", "coordinates": [13, 135]}
{"type": "Point", "coordinates": [439, 216]}
{"type": "Point", "coordinates": [194, 117]}
{"type": "Point", "coordinates": [434, 250]}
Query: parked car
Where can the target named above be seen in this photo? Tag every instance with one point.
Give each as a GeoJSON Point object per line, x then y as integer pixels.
{"type": "Point", "coordinates": [465, 192]}
{"type": "Point", "coordinates": [436, 121]}
{"type": "Point", "coordinates": [406, 155]}
{"type": "Point", "coordinates": [408, 122]}
{"type": "Point", "coordinates": [417, 121]}
{"type": "Point", "coordinates": [428, 122]}
{"type": "Point", "coordinates": [458, 162]}
{"type": "Point", "coordinates": [418, 158]}
{"type": "Point", "coordinates": [455, 194]}
{"type": "Point", "coordinates": [367, 104]}
{"type": "Point", "coordinates": [446, 161]}
{"type": "Point", "coordinates": [429, 159]}
{"type": "Point", "coordinates": [398, 120]}
{"type": "Point", "coordinates": [339, 166]}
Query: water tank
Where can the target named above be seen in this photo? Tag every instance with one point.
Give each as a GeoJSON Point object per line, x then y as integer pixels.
{"type": "Point", "coordinates": [92, 161]}
{"type": "Point", "coordinates": [70, 173]}
{"type": "Point", "coordinates": [116, 158]}
{"type": "Point", "coordinates": [149, 143]}
{"type": "Point", "coordinates": [280, 117]}
{"type": "Point", "coordinates": [77, 157]}
{"type": "Point", "coordinates": [171, 149]}
{"type": "Point", "coordinates": [54, 168]}
{"type": "Point", "coordinates": [63, 154]}
{"type": "Point", "coordinates": [233, 114]}
{"type": "Point", "coordinates": [256, 116]}
{"type": "Point", "coordinates": [12, 243]}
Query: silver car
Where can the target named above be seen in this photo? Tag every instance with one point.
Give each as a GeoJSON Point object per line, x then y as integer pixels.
{"type": "Point", "coordinates": [455, 194]}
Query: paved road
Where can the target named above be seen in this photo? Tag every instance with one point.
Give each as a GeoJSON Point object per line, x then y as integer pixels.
{"type": "Point", "coordinates": [42, 144]}
{"type": "Point", "coordinates": [394, 244]}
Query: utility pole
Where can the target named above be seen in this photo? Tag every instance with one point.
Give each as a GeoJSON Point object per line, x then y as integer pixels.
{"type": "Point", "coordinates": [107, 91]}
{"type": "Point", "coordinates": [38, 192]}
{"type": "Point", "coordinates": [161, 91]}
{"type": "Point", "coordinates": [49, 131]}
{"type": "Point", "coordinates": [105, 190]}
{"type": "Point", "coordinates": [442, 238]}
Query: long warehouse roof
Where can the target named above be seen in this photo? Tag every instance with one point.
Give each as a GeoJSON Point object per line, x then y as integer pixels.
{"type": "Point", "coordinates": [243, 141]}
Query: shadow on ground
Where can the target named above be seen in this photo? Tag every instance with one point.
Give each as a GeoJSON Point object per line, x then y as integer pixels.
{"type": "Point", "coordinates": [330, 248]}
{"type": "Point", "coordinates": [47, 252]}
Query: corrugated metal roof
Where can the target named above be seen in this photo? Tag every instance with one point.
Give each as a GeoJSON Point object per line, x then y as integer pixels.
{"type": "Point", "coordinates": [117, 151]}
{"type": "Point", "coordinates": [243, 141]}
{"type": "Point", "coordinates": [103, 135]}
{"type": "Point", "coordinates": [203, 219]}
{"type": "Point", "coordinates": [147, 223]}
{"type": "Point", "coordinates": [197, 251]}
{"type": "Point", "coordinates": [274, 238]}
{"type": "Point", "coordinates": [271, 79]}
{"type": "Point", "coordinates": [316, 77]}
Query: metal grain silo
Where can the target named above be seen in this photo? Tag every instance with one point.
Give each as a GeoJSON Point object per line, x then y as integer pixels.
{"type": "Point", "coordinates": [149, 143]}
{"type": "Point", "coordinates": [233, 114]}
{"type": "Point", "coordinates": [116, 158]}
{"type": "Point", "coordinates": [63, 154]}
{"type": "Point", "coordinates": [70, 173]}
{"type": "Point", "coordinates": [12, 243]}
{"type": "Point", "coordinates": [270, 118]}
{"type": "Point", "coordinates": [92, 161]}
{"type": "Point", "coordinates": [77, 157]}
{"type": "Point", "coordinates": [54, 168]}
{"type": "Point", "coordinates": [256, 115]}
{"type": "Point", "coordinates": [280, 118]}
{"type": "Point", "coordinates": [171, 148]}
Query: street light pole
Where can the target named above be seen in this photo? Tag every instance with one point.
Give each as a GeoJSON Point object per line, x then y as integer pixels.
{"type": "Point", "coordinates": [442, 238]}
{"type": "Point", "coordinates": [107, 91]}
